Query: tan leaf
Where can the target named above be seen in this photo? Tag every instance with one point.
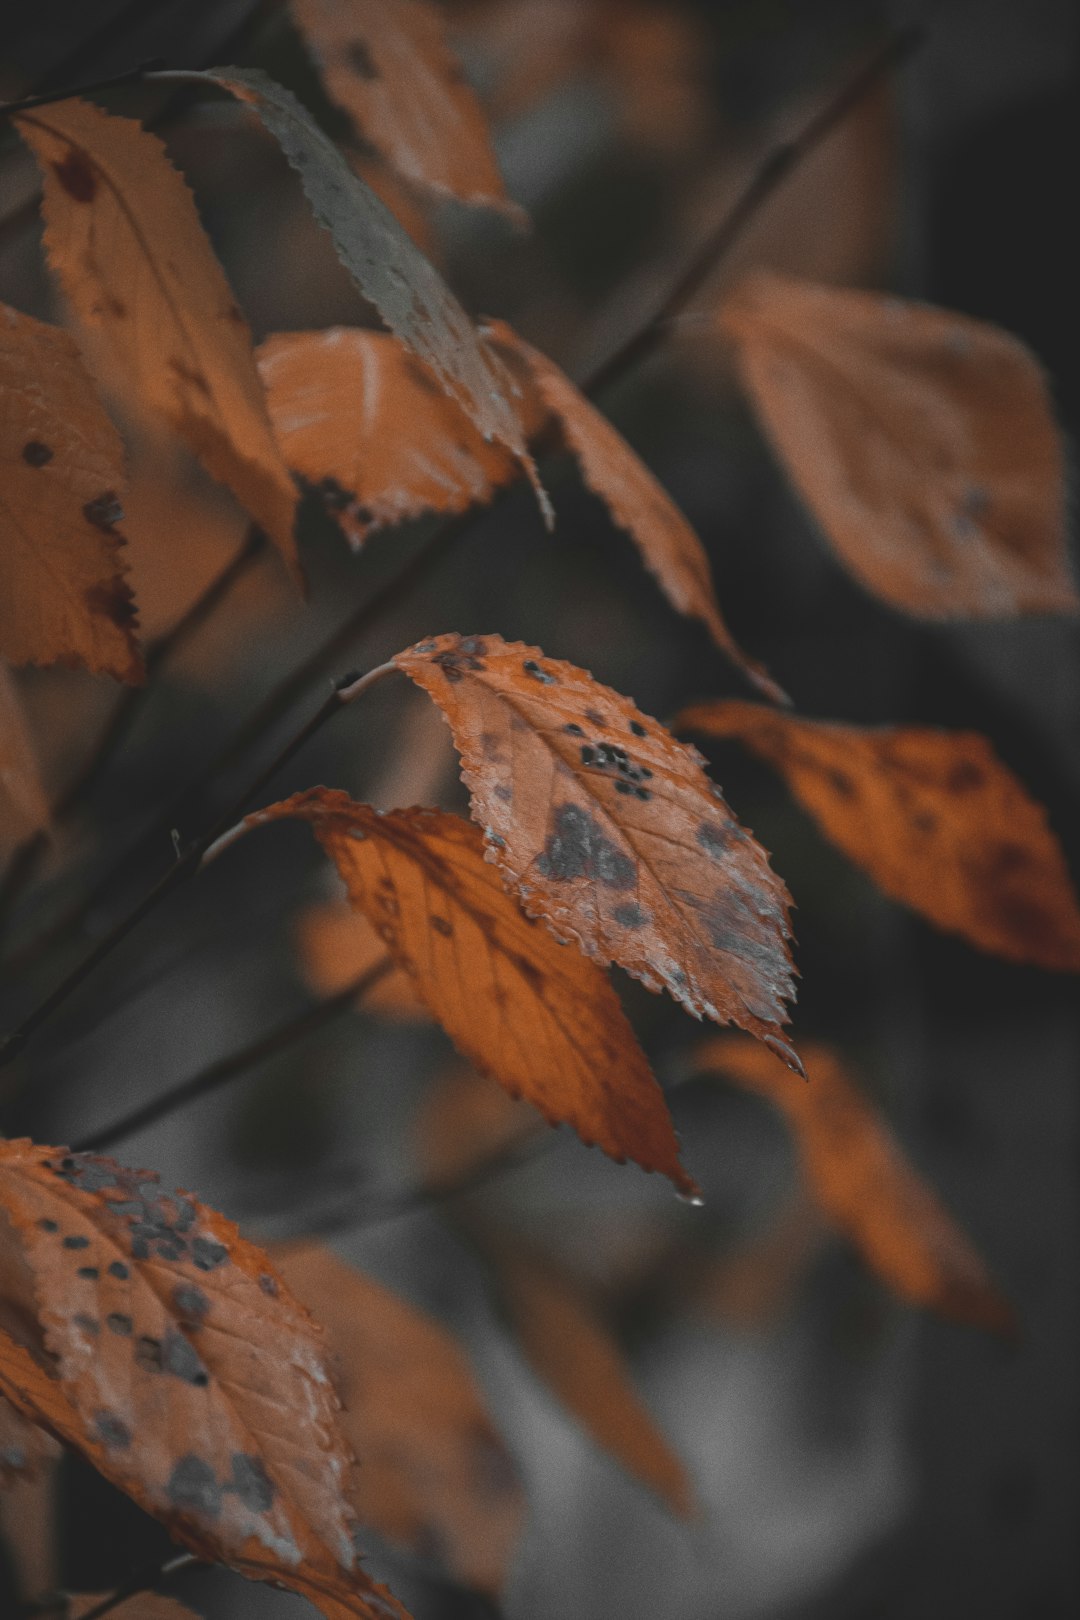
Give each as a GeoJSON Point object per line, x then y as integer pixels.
{"type": "Point", "coordinates": [157, 1318]}
{"type": "Point", "coordinates": [610, 830]}
{"type": "Point", "coordinates": [540, 1019]}
{"type": "Point", "coordinates": [860, 1177]}
{"type": "Point", "coordinates": [124, 238]}
{"type": "Point", "coordinates": [638, 503]}
{"type": "Point", "coordinates": [63, 595]}
{"type": "Point", "coordinates": [934, 818]}
{"type": "Point", "coordinates": [24, 809]}
{"type": "Point", "coordinates": [387, 64]}
{"type": "Point", "coordinates": [338, 945]}
{"type": "Point", "coordinates": [570, 1348]}
{"type": "Point", "coordinates": [359, 418]}
{"type": "Point", "coordinates": [922, 441]}
{"type": "Point", "coordinates": [436, 1476]}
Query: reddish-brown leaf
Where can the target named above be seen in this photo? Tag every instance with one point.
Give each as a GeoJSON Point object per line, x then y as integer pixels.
{"type": "Point", "coordinates": [637, 502]}
{"type": "Point", "coordinates": [124, 238]}
{"type": "Point", "coordinates": [610, 830]}
{"type": "Point", "coordinates": [571, 1349]}
{"type": "Point", "coordinates": [63, 596]}
{"type": "Point", "coordinates": [932, 816]}
{"type": "Point", "coordinates": [540, 1019]}
{"type": "Point", "coordinates": [363, 421]}
{"type": "Point", "coordinates": [386, 63]}
{"type": "Point", "coordinates": [436, 1476]}
{"type": "Point", "coordinates": [24, 809]}
{"type": "Point", "coordinates": [922, 441]}
{"type": "Point", "coordinates": [154, 1322]}
{"type": "Point", "coordinates": [860, 1177]}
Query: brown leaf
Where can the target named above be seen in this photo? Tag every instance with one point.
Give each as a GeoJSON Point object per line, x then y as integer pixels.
{"type": "Point", "coordinates": [156, 1317]}
{"type": "Point", "coordinates": [24, 1447]}
{"type": "Point", "coordinates": [143, 1606]}
{"type": "Point", "coordinates": [538, 1018]}
{"type": "Point", "coordinates": [864, 1184]}
{"type": "Point", "coordinates": [63, 596]}
{"type": "Point", "coordinates": [610, 830]}
{"type": "Point", "coordinates": [338, 945]}
{"type": "Point", "coordinates": [359, 418]}
{"type": "Point", "coordinates": [570, 1348]}
{"type": "Point", "coordinates": [922, 441]}
{"type": "Point", "coordinates": [24, 809]}
{"type": "Point", "coordinates": [124, 238]}
{"type": "Point", "coordinates": [436, 1476]}
{"type": "Point", "coordinates": [638, 503]}
{"type": "Point", "coordinates": [934, 817]}
{"type": "Point", "coordinates": [386, 63]}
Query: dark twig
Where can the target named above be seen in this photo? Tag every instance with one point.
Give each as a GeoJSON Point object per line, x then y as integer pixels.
{"type": "Point", "coordinates": [187, 864]}
{"type": "Point", "coordinates": [144, 1581]}
{"type": "Point", "coordinates": [8, 109]}
{"type": "Point", "coordinates": [224, 1069]}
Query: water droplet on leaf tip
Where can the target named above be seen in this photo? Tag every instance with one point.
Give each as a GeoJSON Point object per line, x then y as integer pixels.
{"type": "Point", "coordinates": [694, 1200]}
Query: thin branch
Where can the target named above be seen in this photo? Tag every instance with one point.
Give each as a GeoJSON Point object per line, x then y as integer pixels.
{"type": "Point", "coordinates": [220, 1072]}
{"type": "Point", "coordinates": [345, 692]}
{"type": "Point", "coordinates": [144, 1581]}
{"type": "Point", "coordinates": [8, 109]}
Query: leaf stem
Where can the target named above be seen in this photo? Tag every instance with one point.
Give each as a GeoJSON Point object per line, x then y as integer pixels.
{"type": "Point", "coordinates": [345, 691]}
{"type": "Point", "coordinates": [134, 75]}
{"type": "Point", "coordinates": [222, 1070]}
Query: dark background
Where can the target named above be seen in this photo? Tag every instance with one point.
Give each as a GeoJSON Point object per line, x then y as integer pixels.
{"type": "Point", "coordinates": [854, 1459]}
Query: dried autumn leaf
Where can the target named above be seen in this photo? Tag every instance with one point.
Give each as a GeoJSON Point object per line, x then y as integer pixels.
{"type": "Point", "coordinates": [571, 1350]}
{"type": "Point", "coordinates": [24, 809]}
{"type": "Point", "coordinates": [610, 830]}
{"type": "Point", "coordinates": [360, 419]}
{"type": "Point", "coordinates": [436, 1476]}
{"type": "Point", "coordinates": [386, 265]}
{"type": "Point", "coordinates": [638, 503]}
{"type": "Point", "coordinates": [861, 1179]}
{"type": "Point", "coordinates": [538, 1018]}
{"type": "Point", "coordinates": [922, 441]}
{"type": "Point", "coordinates": [338, 945]}
{"type": "Point", "coordinates": [155, 1317]}
{"type": "Point", "coordinates": [63, 596]}
{"type": "Point", "coordinates": [387, 64]}
{"type": "Point", "coordinates": [123, 236]}
{"type": "Point", "coordinates": [934, 817]}
{"type": "Point", "coordinates": [143, 1606]}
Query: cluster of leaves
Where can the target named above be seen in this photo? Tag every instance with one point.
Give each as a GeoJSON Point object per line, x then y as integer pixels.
{"type": "Point", "coordinates": [134, 1323]}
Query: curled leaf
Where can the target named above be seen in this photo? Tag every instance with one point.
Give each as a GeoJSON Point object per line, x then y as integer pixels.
{"type": "Point", "coordinates": [436, 1475]}
{"type": "Point", "coordinates": [638, 503]}
{"type": "Point", "coordinates": [923, 442]}
{"type": "Point", "coordinates": [124, 238]}
{"type": "Point", "coordinates": [63, 594]}
{"type": "Point", "coordinates": [610, 830]}
{"type": "Point", "coordinates": [386, 63]}
{"type": "Point", "coordinates": [153, 1322]}
{"type": "Point", "coordinates": [365, 424]}
{"type": "Point", "coordinates": [934, 817]}
{"type": "Point", "coordinates": [540, 1019]}
{"type": "Point", "coordinates": [862, 1181]}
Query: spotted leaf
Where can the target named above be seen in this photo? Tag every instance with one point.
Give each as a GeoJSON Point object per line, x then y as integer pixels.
{"type": "Point", "coordinates": [540, 1019]}
{"type": "Point", "coordinates": [610, 830]}
{"type": "Point", "coordinates": [922, 441]}
{"type": "Point", "coordinates": [934, 817]}
{"type": "Point", "coordinates": [154, 1319]}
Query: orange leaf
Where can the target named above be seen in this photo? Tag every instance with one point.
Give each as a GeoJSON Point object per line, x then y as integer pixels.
{"type": "Point", "coordinates": [610, 830]}
{"type": "Point", "coordinates": [63, 596]}
{"type": "Point", "coordinates": [358, 417]}
{"type": "Point", "coordinates": [638, 503]}
{"type": "Point", "coordinates": [922, 441]}
{"type": "Point", "coordinates": [435, 1473]}
{"type": "Point", "coordinates": [386, 63]}
{"type": "Point", "coordinates": [339, 945]}
{"type": "Point", "coordinates": [124, 238]}
{"type": "Point", "coordinates": [24, 1447]}
{"type": "Point", "coordinates": [24, 809]}
{"type": "Point", "coordinates": [571, 1349]}
{"type": "Point", "coordinates": [932, 816]}
{"type": "Point", "coordinates": [859, 1176]}
{"type": "Point", "coordinates": [541, 1020]}
{"type": "Point", "coordinates": [158, 1317]}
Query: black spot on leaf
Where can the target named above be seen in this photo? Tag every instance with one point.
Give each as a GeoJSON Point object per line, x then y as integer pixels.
{"type": "Point", "coordinates": [179, 1358]}
{"type": "Point", "coordinates": [76, 1243]}
{"type": "Point", "coordinates": [36, 454]}
{"type": "Point", "coordinates": [113, 1433]}
{"type": "Point", "coordinates": [190, 1301]}
{"type": "Point", "coordinates": [119, 1323]}
{"type": "Point", "coordinates": [207, 1254]}
{"type": "Point", "coordinates": [360, 59]}
{"type": "Point", "coordinates": [251, 1483]}
{"type": "Point", "coordinates": [630, 916]}
{"type": "Point", "coordinates": [578, 848]}
{"type": "Point", "coordinates": [118, 1269]}
{"type": "Point", "coordinates": [104, 511]}
{"type": "Point", "coordinates": [193, 1488]}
